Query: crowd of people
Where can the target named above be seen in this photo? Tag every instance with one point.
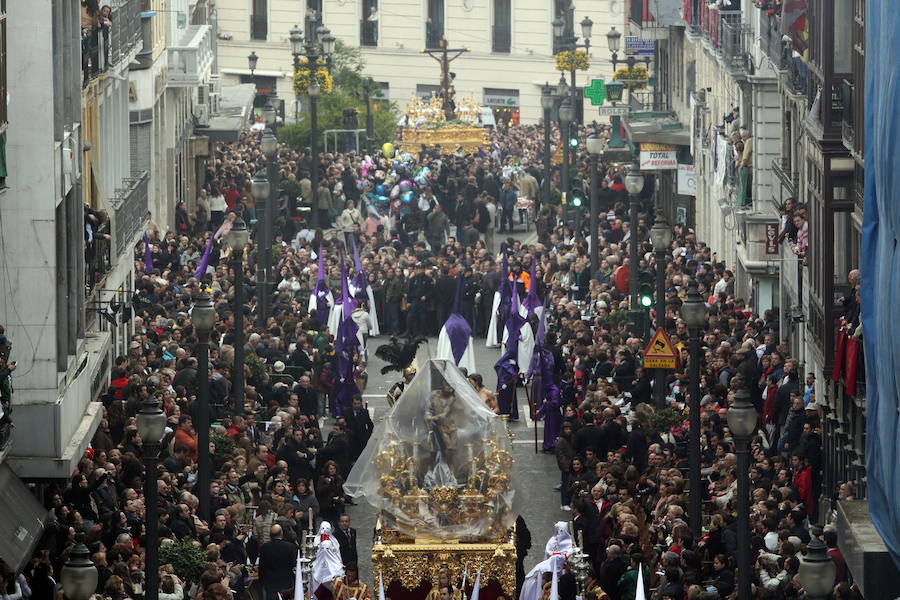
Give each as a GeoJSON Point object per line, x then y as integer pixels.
{"type": "Point", "coordinates": [282, 448]}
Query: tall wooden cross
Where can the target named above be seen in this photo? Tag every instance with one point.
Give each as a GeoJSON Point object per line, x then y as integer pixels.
{"type": "Point", "coordinates": [442, 55]}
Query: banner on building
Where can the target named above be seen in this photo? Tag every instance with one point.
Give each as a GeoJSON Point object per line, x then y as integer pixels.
{"type": "Point", "coordinates": [771, 238]}
{"type": "Point", "coordinates": [687, 180]}
{"type": "Point", "coordinates": [656, 157]}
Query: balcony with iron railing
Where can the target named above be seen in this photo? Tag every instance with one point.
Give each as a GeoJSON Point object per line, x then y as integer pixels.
{"type": "Point", "coordinates": [848, 133]}
{"type": "Point", "coordinates": [771, 41]}
{"type": "Point", "coordinates": [190, 60]}
{"type": "Point", "coordinates": [368, 33]}
{"type": "Point", "coordinates": [110, 45]}
{"type": "Point", "coordinates": [690, 14]}
{"type": "Point", "coordinates": [434, 31]}
{"type": "Point", "coordinates": [97, 258]}
{"type": "Point", "coordinates": [259, 27]}
{"type": "Point", "coordinates": [787, 176]}
{"type": "Point", "coordinates": [734, 41]}
{"type": "Point", "coordinates": [129, 205]}
{"type": "Point", "coordinates": [501, 40]}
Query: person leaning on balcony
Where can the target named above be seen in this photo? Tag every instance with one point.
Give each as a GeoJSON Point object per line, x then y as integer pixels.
{"type": "Point", "coordinates": [90, 16]}
{"type": "Point", "coordinates": [747, 155]}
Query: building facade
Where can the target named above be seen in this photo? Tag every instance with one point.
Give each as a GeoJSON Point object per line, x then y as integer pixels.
{"type": "Point", "coordinates": [169, 95]}
{"type": "Point", "coordinates": [71, 210]}
{"type": "Point", "coordinates": [793, 84]}
{"type": "Point", "coordinates": [509, 43]}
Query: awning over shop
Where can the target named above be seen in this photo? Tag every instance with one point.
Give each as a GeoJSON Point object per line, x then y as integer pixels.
{"type": "Point", "coordinates": [233, 116]}
{"type": "Point", "coordinates": [22, 520]}
{"type": "Point", "coordinates": [658, 127]}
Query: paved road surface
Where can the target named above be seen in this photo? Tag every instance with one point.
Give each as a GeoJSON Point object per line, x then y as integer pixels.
{"type": "Point", "coordinates": [536, 472]}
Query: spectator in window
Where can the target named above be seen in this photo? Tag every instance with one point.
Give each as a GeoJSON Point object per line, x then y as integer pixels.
{"type": "Point", "coordinates": [372, 25]}
{"type": "Point", "coordinates": [802, 225]}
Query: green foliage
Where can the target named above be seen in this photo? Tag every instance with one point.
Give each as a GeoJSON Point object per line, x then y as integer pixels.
{"type": "Point", "coordinates": [330, 110]}
{"type": "Point", "coordinates": [224, 445]}
{"type": "Point", "coordinates": [664, 419]}
{"type": "Point", "coordinates": [186, 558]}
{"type": "Point", "coordinates": [252, 361]}
{"type": "Point", "coordinates": [617, 317]}
{"type": "Point", "coordinates": [348, 72]}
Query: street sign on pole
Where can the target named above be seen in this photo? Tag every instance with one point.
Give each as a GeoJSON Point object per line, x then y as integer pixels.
{"type": "Point", "coordinates": [659, 353]}
{"type": "Point", "coordinates": [635, 46]}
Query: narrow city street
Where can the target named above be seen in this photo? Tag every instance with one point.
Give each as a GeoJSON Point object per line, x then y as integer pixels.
{"type": "Point", "coordinates": [211, 210]}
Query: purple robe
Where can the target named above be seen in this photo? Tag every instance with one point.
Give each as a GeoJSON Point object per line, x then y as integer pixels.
{"type": "Point", "coordinates": [204, 260]}
{"type": "Point", "coordinates": [360, 280]}
{"type": "Point", "coordinates": [507, 368]}
{"type": "Point", "coordinates": [345, 346]}
{"type": "Point", "coordinates": [545, 393]}
{"type": "Point", "coordinates": [459, 332]}
{"type": "Point", "coordinates": [532, 300]}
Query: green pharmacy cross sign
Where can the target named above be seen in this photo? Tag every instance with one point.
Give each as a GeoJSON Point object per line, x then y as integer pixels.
{"type": "Point", "coordinates": [596, 92]}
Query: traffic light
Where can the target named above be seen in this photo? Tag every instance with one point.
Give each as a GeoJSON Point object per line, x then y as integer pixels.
{"type": "Point", "coordinates": [577, 196]}
{"type": "Point", "coordinates": [645, 295]}
{"type": "Point", "coordinates": [574, 142]}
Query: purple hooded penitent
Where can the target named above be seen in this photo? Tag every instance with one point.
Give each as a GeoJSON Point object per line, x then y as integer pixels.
{"type": "Point", "coordinates": [532, 300]}
{"type": "Point", "coordinates": [544, 392]}
{"type": "Point", "coordinates": [359, 274]}
{"type": "Point", "coordinates": [458, 329]}
{"type": "Point", "coordinates": [507, 368]}
{"type": "Point", "coordinates": [148, 258]}
{"type": "Point", "coordinates": [345, 346]}
{"type": "Point", "coordinates": [321, 290]}
{"type": "Point", "coordinates": [204, 260]}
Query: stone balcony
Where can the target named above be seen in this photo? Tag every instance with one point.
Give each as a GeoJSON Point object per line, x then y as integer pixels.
{"type": "Point", "coordinates": [191, 57]}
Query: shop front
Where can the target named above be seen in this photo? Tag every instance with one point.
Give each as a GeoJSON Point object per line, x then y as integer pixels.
{"type": "Point", "coordinates": [504, 105]}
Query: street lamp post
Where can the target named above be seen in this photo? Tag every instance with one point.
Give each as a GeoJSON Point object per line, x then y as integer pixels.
{"type": "Point", "coordinates": [566, 114]}
{"type": "Point", "coordinates": [568, 41]}
{"type": "Point", "coordinates": [296, 37]}
{"type": "Point", "coordinates": [252, 59]}
{"type": "Point", "coordinates": [203, 317]}
{"type": "Point", "coordinates": [261, 189]}
{"type": "Point", "coordinates": [595, 146]}
{"type": "Point", "coordinates": [313, 90]}
{"type": "Point", "coordinates": [817, 569]}
{"type": "Point", "coordinates": [634, 183]}
{"type": "Point", "coordinates": [237, 240]}
{"type": "Point", "coordinates": [614, 91]}
{"type": "Point", "coordinates": [547, 101]}
{"type": "Point", "coordinates": [368, 88]}
{"type": "Point", "coordinates": [742, 419]}
{"type": "Point", "coordinates": [79, 575]}
{"type": "Point", "coordinates": [661, 237]}
{"type": "Point", "coordinates": [319, 44]}
{"type": "Point", "coordinates": [693, 311]}
{"type": "Point", "coordinates": [151, 425]}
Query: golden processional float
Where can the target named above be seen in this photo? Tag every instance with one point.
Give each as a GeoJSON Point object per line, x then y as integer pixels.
{"type": "Point", "coordinates": [439, 471]}
{"type": "Point", "coordinates": [425, 123]}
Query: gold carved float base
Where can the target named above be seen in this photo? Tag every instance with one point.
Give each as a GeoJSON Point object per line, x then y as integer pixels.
{"type": "Point", "coordinates": [410, 564]}
{"type": "Point", "coordinates": [449, 138]}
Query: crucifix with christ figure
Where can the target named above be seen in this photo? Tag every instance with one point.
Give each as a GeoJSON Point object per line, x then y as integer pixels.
{"type": "Point", "coordinates": [442, 54]}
